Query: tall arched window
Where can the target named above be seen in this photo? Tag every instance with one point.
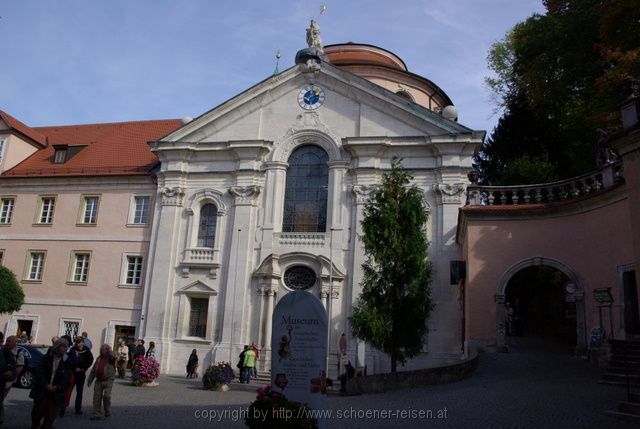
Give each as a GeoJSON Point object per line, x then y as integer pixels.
{"type": "Point", "coordinates": [207, 227]}
{"type": "Point", "coordinates": [305, 198]}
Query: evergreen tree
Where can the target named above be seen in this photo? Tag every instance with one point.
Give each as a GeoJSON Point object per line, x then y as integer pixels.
{"type": "Point", "coordinates": [558, 78]}
{"type": "Point", "coordinates": [392, 311]}
{"type": "Point", "coordinates": [11, 294]}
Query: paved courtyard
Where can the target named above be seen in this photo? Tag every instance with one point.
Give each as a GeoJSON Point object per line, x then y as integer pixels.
{"type": "Point", "coordinates": [531, 387]}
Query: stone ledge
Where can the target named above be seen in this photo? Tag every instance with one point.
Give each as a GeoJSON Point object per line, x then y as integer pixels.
{"type": "Point", "coordinates": [379, 383]}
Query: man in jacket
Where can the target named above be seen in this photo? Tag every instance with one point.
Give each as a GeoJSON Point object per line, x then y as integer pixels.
{"type": "Point", "coordinates": [49, 383]}
{"type": "Point", "coordinates": [85, 359]}
{"type": "Point", "coordinates": [103, 372]}
{"type": "Point", "coordinates": [249, 363]}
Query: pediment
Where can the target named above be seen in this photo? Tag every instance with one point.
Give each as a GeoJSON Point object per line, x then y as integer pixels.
{"type": "Point", "coordinates": [197, 288]}
{"type": "Point", "coordinates": [353, 106]}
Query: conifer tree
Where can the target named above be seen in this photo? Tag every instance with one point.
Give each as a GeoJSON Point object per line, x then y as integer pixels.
{"type": "Point", "coordinates": [392, 311]}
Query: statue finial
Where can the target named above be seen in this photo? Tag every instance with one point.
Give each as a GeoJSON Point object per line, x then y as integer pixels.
{"type": "Point", "coordinates": [313, 35]}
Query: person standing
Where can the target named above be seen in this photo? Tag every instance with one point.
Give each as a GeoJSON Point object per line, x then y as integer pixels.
{"type": "Point", "coordinates": [255, 349]}
{"type": "Point", "coordinates": [151, 352]}
{"type": "Point", "coordinates": [123, 357]}
{"type": "Point", "coordinates": [249, 363]}
{"type": "Point", "coordinates": [241, 363]}
{"type": "Point", "coordinates": [104, 373]}
{"type": "Point", "coordinates": [139, 349]}
{"type": "Point", "coordinates": [192, 364]}
{"type": "Point", "coordinates": [50, 381]}
{"type": "Point", "coordinates": [11, 345]}
{"type": "Point", "coordinates": [84, 361]}
{"type": "Point", "coordinates": [87, 342]}
{"type": "Point", "coordinates": [8, 373]}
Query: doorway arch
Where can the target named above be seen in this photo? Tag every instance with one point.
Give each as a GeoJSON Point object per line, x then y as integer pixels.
{"type": "Point", "coordinates": [578, 294]}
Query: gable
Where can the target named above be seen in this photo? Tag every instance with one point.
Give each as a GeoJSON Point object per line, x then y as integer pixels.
{"type": "Point", "coordinates": [353, 106]}
{"type": "Point", "coordinates": [197, 288]}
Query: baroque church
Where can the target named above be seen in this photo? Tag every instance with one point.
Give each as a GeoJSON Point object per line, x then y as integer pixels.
{"type": "Point", "coordinates": [263, 195]}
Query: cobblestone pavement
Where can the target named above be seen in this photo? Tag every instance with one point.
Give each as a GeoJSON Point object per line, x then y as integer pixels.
{"type": "Point", "coordinates": [531, 387]}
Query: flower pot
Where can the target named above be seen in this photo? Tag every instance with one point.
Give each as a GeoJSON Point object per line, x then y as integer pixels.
{"type": "Point", "coordinates": [151, 384]}
{"type": "Point", "coordinates": [223, 388]}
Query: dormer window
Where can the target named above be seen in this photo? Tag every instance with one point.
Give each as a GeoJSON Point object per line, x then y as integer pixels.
{"type": "Point", "coordinates": [64, 152]}
{"type": "Point", "coordinates": [60, 156]}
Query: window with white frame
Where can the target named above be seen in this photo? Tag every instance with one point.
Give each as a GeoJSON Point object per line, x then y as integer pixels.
{"type": "Point", "coordinates": [2, 149]}
{"type": "Point", "coordinates": [47, 205]}
{"type": "Point", "coordinates": [60, 156]}
{"type": "Point", "coordinates": [90, 205]}
{"type": "Point", "coordinates": [207, 227]}
{"type": "Point", "coordinates": [140, 210]}
{"type": "Point", "coordinates": [132, 272]}
{"type": "Point", "coordinates": [6, 210]}
{"type": "Point", "coordinates": [80, 268]}
{"type": "Point", "coordinates": [35, 265]}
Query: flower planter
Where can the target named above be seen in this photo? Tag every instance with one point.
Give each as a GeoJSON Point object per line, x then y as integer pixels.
{"type": "Point", "coordinates": [152, 384]}
{"type": "Point", "coordinates": [217, 377]}
{"type": "Point", "coordinates": [222, 388]}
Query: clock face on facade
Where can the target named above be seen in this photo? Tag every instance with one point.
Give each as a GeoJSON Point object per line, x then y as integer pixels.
{"type": "Point", "coordinates": [311, 97]}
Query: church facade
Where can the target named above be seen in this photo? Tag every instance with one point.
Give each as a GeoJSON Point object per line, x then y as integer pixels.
{"type": "Point", "coordinates": [264, 195]}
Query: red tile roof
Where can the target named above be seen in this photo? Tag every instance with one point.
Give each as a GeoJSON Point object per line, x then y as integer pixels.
{"type": "Point", "coordinates": [19, 127]}
{"type": "Point", "coordinates": [111, 149]}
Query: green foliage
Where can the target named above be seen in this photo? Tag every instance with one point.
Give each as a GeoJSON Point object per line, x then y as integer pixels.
{"type": "Point", "coordinates": [527, 170]}
{"type": "Point", "coordinates": [392, 310]}
{"type": "Point", "coordinates": [11, 294]}
{"type": "Point", "coordinates": [557, 79]}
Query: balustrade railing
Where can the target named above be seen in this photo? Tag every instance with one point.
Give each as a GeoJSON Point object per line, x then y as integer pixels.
{"type": "Point", "coordinates": [605, 177]}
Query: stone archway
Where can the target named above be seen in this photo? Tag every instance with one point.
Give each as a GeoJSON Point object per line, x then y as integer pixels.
{"type": "Point", "coordinates": [581, 338]}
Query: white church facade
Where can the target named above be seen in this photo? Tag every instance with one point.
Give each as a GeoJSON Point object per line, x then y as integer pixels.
{"type": "Point", "coordinates": [264, 195]}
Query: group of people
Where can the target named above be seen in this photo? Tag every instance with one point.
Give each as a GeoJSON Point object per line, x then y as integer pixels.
{"type": "Point", "coordinates": [63, 368]}
{"type": "Point", "coordinates": [129, 350]}
{"type": "Point", "coordinates": [247, 363]}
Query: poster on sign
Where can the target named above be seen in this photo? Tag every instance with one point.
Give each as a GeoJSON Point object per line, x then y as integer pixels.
{"type": "Point", "coordinates": [299, 349]}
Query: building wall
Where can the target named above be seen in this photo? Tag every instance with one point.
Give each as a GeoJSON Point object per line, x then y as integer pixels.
{"type": "Point", "coordinates": [103, 301]}
{"type": "Point", "coordinates": [15, 150]}
{"type": "Point", "coordinates": [590, 239]}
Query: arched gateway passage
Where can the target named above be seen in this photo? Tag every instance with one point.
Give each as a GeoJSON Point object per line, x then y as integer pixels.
{"type": "Point", "coordinates": [541, 297]}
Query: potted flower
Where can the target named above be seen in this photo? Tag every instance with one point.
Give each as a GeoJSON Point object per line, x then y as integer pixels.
{"type": "Point", "coordinates": [218, 376]}
{"type": "Point", "coordinates": [272, 409]}
{"type": "Point", "coordinates": [145, 371]}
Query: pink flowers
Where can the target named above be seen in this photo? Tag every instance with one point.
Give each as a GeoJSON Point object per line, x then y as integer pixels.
{"type": "Point", "coordinates": [145, 370]}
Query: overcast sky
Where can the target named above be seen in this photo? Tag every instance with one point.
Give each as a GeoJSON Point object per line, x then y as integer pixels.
{"type": "Point", "coordinates": [87, 61]}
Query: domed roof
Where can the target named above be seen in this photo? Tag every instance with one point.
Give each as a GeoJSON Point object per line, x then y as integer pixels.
{"type": "Point", "coordinates": [386, 69]}
{"type": "Point", "coordinates": [359, 53]}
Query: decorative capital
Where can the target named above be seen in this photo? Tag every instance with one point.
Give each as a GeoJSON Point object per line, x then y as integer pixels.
{"type": "Point", "coordinates": [244, 195]}
{"type": "Point", "coordinates": [324, 293]}
{"type": "Point", "coordinates": [266, 291]}
{"type": "Point", "coordinates": [450, 193]}
{"type": "Point", "coordinates": [172, 196]}
{"type": "Point", "coordinates": [362, 192]}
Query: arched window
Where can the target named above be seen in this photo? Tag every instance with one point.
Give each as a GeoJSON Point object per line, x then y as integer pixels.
{"type": "Point", "coordinates": [207, 227]}
{"type": "Point", "coordinates": [305, 198]}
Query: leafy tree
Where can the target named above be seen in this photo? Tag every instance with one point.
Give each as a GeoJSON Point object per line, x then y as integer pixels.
{"type": "Point", "coordinates": [557, 78]}
{"type": "Point", "coordinates": [393, 308]}
{"type": "Point", "coordinates": [11, 294]}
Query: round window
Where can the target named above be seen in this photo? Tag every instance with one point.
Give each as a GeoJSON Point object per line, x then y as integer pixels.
{"type": "Point", "coordinates": [299, 278]}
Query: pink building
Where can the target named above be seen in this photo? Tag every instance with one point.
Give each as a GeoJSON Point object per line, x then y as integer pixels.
{"type": "Point", "coordinates": [583, 234]}
{"type": "Point", "coordinates": [76, 208]}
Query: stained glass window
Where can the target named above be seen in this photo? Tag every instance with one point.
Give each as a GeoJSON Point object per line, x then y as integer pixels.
{"type": "Point", "coordinates": [305, 199]}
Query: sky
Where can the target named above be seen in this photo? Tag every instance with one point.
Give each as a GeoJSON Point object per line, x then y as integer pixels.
{"type": "Point", "coordinates": [87, 61]}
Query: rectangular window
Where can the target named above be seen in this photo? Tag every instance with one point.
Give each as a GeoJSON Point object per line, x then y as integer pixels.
{"type": "Point", "coordinates": [141, 210]}
{"type": "Point", "coordinates": [46, 209]}
{"type": "Point", "coordinates": [80, 272]}
{"type": "Point", "coordinates": [198, 317]}
{"type": "Point", "coordinates": [1, 256]}
{"type": "Point", "coordinates": [6, 210]}
{"type": "Point", "coordinates": [134, 270]}
{"type": "Point", "coordinates": [90, 210]}
{"type": "Point", "coordinates": [60, 156]}
{"type": "Point", "coordinates": [70, 328]}
{"type": "Point", "coordinates": [36, 266]}
{"type": "Point", "coordinates": [1, 150]}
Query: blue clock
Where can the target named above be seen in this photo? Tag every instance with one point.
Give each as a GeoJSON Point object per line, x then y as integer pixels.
{"type": "Point", "coordinates": [311, 97]}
